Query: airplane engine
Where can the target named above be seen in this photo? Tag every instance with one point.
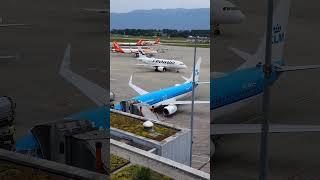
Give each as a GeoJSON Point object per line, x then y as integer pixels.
{"type": "Point", "coordinates": [170, 109]}
{"type": "Point", "coordinates": [161, 69]}
{"type": "Point", "coordinates": [112, 96]}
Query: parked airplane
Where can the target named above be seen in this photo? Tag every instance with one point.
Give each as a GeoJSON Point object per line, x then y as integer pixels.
{"type": "Point", "coordinates": [168, 97]}
{"type": "Point", "coordinates": [161, 65]}
{"type": "Point", "coordinates": [118, 49]}
{"type": "Point", "coordinates": [138, 43]}
{"type": "Point", "coordinates": [151, 43]}
{"type": "Point", "coordinates": [233, 90]}
{"type": "Point", "coordinates": [225, 12]}
{"type": "Point", "coordinates": [142, 42]}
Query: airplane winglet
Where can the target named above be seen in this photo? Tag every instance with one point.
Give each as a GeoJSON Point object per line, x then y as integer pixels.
{"type": "Point", "coordinates": [93, 91]}
{"type": "Point", "coordinates": [185, 78]}
{"type": "Point", "coordinates": [136, 88]}
{"type": "Point", "coordinates": [66, 58]}
{"type": "Point", "coordinates": [130, 80]}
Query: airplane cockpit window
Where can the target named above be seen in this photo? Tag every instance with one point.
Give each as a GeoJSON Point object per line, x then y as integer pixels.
{"type": "Point", "coordinates": [230, 8]}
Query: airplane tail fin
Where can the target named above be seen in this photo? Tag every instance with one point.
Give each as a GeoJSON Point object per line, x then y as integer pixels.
{"type": "Point", "coordinates": [139, 42]}
{"type": "Point", "coordinates": [141, 54]}
{"type": "Point", "coordinates": [117, 47]}
{"type": "Point", "coordinates": [279, 37]}
{"type": "Point", "coordinates": [157, 41]}
{"type": "Point", "coordinates": [197, 73]}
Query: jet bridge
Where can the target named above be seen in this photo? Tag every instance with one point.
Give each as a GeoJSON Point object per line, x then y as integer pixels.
{"type": "Point", "coordinates": [138, 108]}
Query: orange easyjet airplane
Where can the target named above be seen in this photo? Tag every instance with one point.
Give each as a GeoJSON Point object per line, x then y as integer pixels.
{"type": "Point", "coordinates": [118, 49]}
{"type": "Point", "coordinates": [151, 43]}
{"type": "Point", "coordinates": [138, 43]}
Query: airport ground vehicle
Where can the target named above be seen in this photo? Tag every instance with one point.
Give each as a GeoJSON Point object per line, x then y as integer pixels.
{"type": "Point", "coordinates": [7, 116]}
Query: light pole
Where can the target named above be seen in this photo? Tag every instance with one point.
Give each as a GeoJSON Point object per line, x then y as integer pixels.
{"type": "Point", "coordinates": [192, 104]}
{"type": "Point", "coordinates": [266, 96]}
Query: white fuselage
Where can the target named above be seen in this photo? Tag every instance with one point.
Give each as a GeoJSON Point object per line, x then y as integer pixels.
{"type": "Point", "coordinates": [133, 51]}
{"type": "Point", "coordinates": [166, 63]}
{"type": "Point", "coordinates": [225, 12]}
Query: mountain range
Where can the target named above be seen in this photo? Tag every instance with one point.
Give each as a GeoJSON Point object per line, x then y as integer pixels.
{"type": "Point", "coordinates": [179, 19]}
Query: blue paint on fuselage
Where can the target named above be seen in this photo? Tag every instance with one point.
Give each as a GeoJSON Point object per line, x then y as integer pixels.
{"type": "Point", "coordinates": [155, 97]}
{"type": "Point", "coordinates": [238, 85]}
{"type": "Point", "coordinates": [100, 116]}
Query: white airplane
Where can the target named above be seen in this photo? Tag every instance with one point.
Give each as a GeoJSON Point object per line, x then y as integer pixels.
{"type": "Point", "coordinates": [118, 49]}
{"type": "Point", "coordinates": [161, 65]}
{"type": "Point", "coordinates": [138, 43]}
{"type": "Point", "coordinates": [225, 12]}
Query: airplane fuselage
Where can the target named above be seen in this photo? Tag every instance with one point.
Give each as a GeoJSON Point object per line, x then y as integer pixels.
{"type": "Point", "coordinates": [156, 98]}
{"type": "Point", "coordinates": [169, 64]}
{"type": "Point", "coordinates": [224, 12]}
{"type": "Point", "coordinates": [236, 89]}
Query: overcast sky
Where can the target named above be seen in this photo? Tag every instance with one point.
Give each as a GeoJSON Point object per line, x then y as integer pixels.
{"type": "Point", "coordinates": [130, 5]}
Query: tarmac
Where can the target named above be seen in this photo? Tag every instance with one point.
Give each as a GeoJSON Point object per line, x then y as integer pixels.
{"type": "Point", "coordinates": [32, 80]}
{"type": "Point", "coordinates": [123, 66]}
{"type": "Point", "coordinates": [295, 98]}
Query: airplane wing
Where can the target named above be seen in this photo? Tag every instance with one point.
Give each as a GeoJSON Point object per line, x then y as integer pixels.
{"type": "Point", "coordinates": [102, 11]}
{"type": "Point", "coordinates": [136, 88]}
{"type": "Point", "coordinates": [220, 129]}
{"type": "Point", "coordinates": [96, 93]}
{"type": "Point", "coordinates": [250, 60]}
{"type": "Point", "coordinates": [185, 102]}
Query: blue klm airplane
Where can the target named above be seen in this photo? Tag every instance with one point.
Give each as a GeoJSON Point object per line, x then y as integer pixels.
{"type": "Point", "coordinates": [167, 98]}
{"type": "Point", "coordinates": [231, 91]}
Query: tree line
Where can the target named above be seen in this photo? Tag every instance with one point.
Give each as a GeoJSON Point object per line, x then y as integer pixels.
{"type": "Point", "coordinates": [161, 33]}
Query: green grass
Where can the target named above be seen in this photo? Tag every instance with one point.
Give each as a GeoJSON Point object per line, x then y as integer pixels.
{"type": "Point", "coordinates": [122, 38]}
{"type": "Point", "coordinates": [117, 162]}
{"type": "Point", "coordinates": [189, 45]}
{"type": "Point", "coordinates": [135, 126]}
{"type": "Point", "coordinates": [128, 173]}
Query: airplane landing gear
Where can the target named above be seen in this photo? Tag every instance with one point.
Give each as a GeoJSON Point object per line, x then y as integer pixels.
{"type": "Point", "coordinates": [216, 29]}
